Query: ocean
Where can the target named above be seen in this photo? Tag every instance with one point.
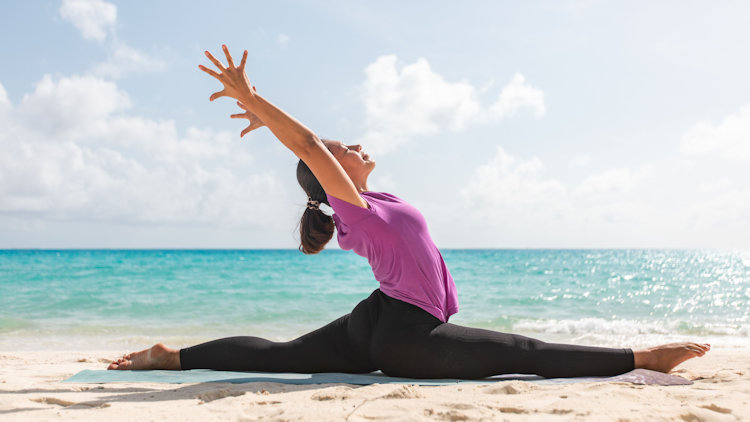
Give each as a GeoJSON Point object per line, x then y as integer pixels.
{"type": "Point", "coordinates": [130, 299]}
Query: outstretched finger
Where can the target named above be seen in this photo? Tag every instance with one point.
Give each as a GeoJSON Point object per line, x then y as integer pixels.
{"type": "Point", "coordinates": [242, 62]}
{"type": "Point", "coordinates": [242, 106]}
{"type": "Point", "coordinates": [214, 61]}
{"type": "Point", "coordinates": [230, 62]}
{"type": "Point", "coordinates": [209, 71]}
{"type": "Point", "coordinates": [253, 125]}
{"type": "Point", "coordinates": [216, 95]}
{"type": "Point", "coordinates": [238, 116]}
{"type": "Point", "coordinates": [249, 129]}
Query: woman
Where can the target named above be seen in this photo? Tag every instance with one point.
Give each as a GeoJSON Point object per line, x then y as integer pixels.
{"type": "Point", "coordinates": [402, 328]}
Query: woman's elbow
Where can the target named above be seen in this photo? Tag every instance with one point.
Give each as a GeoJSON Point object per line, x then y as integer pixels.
{"type": "Point", "coordinates": [308, 145]}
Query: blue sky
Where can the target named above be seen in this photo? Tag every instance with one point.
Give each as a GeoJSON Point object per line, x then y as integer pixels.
{"type": "Point", "coordinates": [509, 124]}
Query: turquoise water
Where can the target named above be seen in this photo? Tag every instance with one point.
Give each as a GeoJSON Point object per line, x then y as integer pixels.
{"type": "Point", "coordinates": [107, 299]}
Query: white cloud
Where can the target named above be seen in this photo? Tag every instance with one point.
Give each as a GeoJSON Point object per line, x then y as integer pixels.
{"type": "Point", "coordinates": [4, 103]}
{"type": "Point", "coordinates": [93, 18]}
{"type": "Point", "coordinates": [124, 60]}
{"type": "Point", "coordinates": [729, 139]}
{"type": "Point", "coordinates": [282, 40]}
{"type": "Point", "coordinates": [725, 216]}
{"type": "Point", "coordinates": [70, 104]}
{"type": "Point", "coordinates": [507, 189]}
{"type": "Point", "coordinates": [93, 163]}
{"type": "Point", "coordinates": [581, 160]}
{"type": "Point", "coordinates": [614, 181]}
{"type": "Point", "coordinates": [510, 202]}
{"type": "Point", "coordinates": [401, 104]}
{"type": "Point", "coordinates": [410, 102]}
{"type": "Point", "coordinates": [517, 95]}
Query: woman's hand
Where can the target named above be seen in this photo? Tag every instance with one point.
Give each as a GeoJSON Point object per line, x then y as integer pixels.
{"type": "Point", "coordinates": [234, 79]}
{"type": "Point", "coordinates": [254, 120]}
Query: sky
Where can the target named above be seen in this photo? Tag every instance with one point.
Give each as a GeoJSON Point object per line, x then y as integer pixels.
{"type": "Point", "coordinates": [558, 124]}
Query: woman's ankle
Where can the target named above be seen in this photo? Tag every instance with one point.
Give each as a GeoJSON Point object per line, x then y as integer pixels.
{"type": "Point", "coordinates": [641, 358]}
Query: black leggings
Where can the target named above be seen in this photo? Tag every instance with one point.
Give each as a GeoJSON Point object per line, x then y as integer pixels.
{"type": "Point", "coordinates": [403, 340]}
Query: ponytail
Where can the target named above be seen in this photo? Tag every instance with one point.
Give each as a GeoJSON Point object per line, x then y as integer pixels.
{"type": "Point", "coordinates": [315, 227]}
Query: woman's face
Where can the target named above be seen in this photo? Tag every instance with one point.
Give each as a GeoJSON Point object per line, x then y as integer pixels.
{"type": "Point", "coordinates": [352, 158]}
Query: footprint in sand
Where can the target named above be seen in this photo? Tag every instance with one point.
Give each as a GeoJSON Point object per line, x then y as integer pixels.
{"type": "Point", "coordinates": [510, 388]}
{"type": "Point", "coordinates": [450, 415]}
{"type": "Point", "coordinates": [707, 413]}
{"type": "Point", "coordinates": [92, 360]}
{"type": "Point", "coordinates": [516, 410]}
{"type": "Point", "coordinates": [334, 393]}
{"type": "Point", "coordinates": [460, 406]}
{"type": "Point", "coordinates": [716, 408]}
{"type": "Point", "coordinates": [66, 403]}
{"type": "Point", "coordinates": [404, 392]}
{"type": "Point", "coordinates": [218, 394]}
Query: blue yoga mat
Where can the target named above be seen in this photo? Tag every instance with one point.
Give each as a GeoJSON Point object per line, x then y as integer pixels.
{"type": "Point", "coordinates": [638, 376]}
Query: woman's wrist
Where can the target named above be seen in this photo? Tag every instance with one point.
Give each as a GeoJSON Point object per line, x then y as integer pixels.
{"type": "Point", "coordinates": [250, 99]}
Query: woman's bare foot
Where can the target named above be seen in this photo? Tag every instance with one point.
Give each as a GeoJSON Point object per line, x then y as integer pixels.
{"type": "Point", "coordinates": [665, 357]}
{"type": "Point", "coordinates": [157, 357]}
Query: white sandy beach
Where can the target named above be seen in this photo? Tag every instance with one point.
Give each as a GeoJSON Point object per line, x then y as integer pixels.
{"type": "Point", "coordinates": [30, 389]}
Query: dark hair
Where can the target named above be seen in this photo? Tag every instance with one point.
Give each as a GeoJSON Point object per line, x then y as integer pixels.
{"type": "Point", "coordinates": [315, 227]}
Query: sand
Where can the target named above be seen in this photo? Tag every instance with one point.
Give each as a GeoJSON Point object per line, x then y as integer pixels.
{"type": "Point", "coordinates": [30, 389]}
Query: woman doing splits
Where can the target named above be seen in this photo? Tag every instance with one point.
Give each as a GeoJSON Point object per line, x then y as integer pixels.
{"type": "Point", "coordinates": [402, 328]}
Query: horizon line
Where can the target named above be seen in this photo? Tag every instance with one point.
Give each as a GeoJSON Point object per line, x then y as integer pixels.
{"type": "Point", "coordinates": [623, 248]}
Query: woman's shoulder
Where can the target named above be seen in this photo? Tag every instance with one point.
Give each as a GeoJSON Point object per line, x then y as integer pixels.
{"type": "Point", "coordinates": [377, 202]}
{"type": "Point", "coordinates": [347, 213]}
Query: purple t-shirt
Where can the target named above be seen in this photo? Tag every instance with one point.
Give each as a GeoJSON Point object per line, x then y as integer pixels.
{"type": "Point", "coordinates": [393, 236]}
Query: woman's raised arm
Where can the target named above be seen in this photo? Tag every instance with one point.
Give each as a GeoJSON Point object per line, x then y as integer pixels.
{"type": "Point", "coordinates": [293, 134]}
